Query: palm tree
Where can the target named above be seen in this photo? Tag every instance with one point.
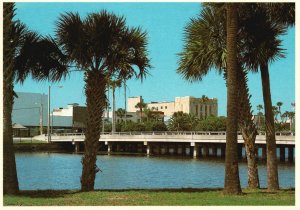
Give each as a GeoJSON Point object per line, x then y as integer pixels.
{"type": "Point", "coordinates": [279, 104]}
{"type": "Point", "coordinates": [263, 48]}
{"type": "Point", "coordinates": [141, 106]}
{"type": "Point", "coordinates": [114, 84]}
{"type": "Point", "coordinates": [259, 114]}
{"type": "Point", "coordinates": [285, 116]}
{"type": "Point", "coordinates": [259, 107]}
{"type": "Point", "coordinates": [127, 77]}
{"type": "Point", "coordinates": [125, 100]}
{"type": "Point", "coordinates": [120, 113]}
{"type": "Point", "coordinates": [148, 113]}
{"type": "Point", "coordinates": [291, 116]}
{"type": "Point", "coordinates": [205, 50]}
{"type": "Point", "coordinates": [24, 53]}
{"type": "Point", "coordinates": [10, 179]}
{"type": "Point", "coordinates": [275, 112]}
{"type": "Point", "coordinates": [232, 180]}
{"type": "Point", "coordinates": [103, 47]}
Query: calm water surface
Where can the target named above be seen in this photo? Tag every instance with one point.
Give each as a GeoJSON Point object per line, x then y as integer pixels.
{"type": "Point", "coordinates": [63, 171]}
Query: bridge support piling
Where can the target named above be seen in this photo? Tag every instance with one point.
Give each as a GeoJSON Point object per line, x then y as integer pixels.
{"type": "Point", "coordinates": [163, 149]}
{"type": "Point", "coordinates": [222, 151]}
{"type": "Point", "coordinates": [148, 150]}
{"type": "Point", "coordinates": [290, 154]}
{"type": "Point", "coordinates": [109, 148]}
{"type": "Point", "coordinates": [187, 151]}
{"type": "Point", "coordinates": [205, 151]}
{"type": "Point", "coordinates": [118, 147]}
{"type": "Point", "coordinates": [214, 151]}
{"type": "Point", "coordinates": [183, 149]}
{"type": "Point", "coordinates": [200, 151]}
{"type": "Point", "coordinates": [195, 152]}
{"type": "Point", "coordinates": [77, 144]}
{"type": "Point", "coordinates": [175, 147]}
{"type": "Point", "coordinates": [179, 150]}
{"type": "Point", "coordinates": [282, 153]}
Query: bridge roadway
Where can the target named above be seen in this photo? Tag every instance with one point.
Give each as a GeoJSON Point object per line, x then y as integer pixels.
{"type": "Point", "coordinates": [197, 144]}
{"type": "Point", "coordinates": [282, 138]}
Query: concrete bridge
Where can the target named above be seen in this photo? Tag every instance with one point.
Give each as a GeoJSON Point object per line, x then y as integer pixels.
{"type": "Point", "coordinates": [196, 144]}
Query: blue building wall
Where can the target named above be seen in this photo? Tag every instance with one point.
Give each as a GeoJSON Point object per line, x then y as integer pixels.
{"type": "Point", "coordinates": [26, 109]}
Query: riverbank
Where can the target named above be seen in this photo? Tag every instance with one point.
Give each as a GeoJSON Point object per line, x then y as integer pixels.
{"type": "Point", "coordinates": [42, 147]}
{"type": "Point", "coordinates": [161, 197]}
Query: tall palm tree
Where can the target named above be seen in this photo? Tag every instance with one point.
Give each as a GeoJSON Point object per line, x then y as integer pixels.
{"type": "Point", "coordinates": [279, 104]}
{"type": "Point", "coordinates": [259, 114]}
{"type": "Point", "coordinates": [114, 84]}
{"type": "Point", "coordinates": [141, 106]}
{"type": "Point", "coordinates": [275, 112]}
{"type": "Point", "coordinates": [259, 107]}
{"type": "Point", "coordinates": [285, 116]}
{"type": "Point", "coordinates": [125, 100]}
{"type": "Point", "coordinates": [24, 53]}
{"type": "Point", "coordinates": [232, 180]}
{"type": "Point", "coordinates": [263, 48]}
{"type": "Point", "coordinates": [103, 47]}
{"type": "Point", "coordinates": [205, 49]}
{"type": "Point", "coordinates": [10, 179]}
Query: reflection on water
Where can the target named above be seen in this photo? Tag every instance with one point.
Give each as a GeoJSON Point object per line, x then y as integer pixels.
{"type": "Point", "coordinates": [63, 171]}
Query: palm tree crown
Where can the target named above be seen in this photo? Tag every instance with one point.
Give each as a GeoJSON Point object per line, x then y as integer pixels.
{"type": "Point", "coordinates": [103, 42]}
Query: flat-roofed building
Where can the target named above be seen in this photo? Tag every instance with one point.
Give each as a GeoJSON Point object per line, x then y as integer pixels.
{"type": "Point", "coordinates": [200, 107]}
{"type": "Point", "coordinates": [30, 111]}
{"type": "Point", "coordinates": [75, 114]}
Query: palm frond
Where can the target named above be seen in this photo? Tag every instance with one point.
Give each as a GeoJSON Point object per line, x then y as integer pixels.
{"type": "Point", "coordinates": [41, 58]}
{"type": "Point", "coordinates": [204, 46]}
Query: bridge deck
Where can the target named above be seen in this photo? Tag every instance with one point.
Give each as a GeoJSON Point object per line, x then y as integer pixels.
{"type": "Point", "coordinates": [284, 138]}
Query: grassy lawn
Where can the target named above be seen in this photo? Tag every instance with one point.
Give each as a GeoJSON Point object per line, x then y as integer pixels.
{"type": "Point", "coordinates": [167, 197]}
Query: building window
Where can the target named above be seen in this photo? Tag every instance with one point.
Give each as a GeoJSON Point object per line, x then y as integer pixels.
{"type": "Point", "coordinates": [197, 110]}
{"type": "Point", "coordinates": [161, 107]}
{"type": "Point", "coordinates": [166, 107]}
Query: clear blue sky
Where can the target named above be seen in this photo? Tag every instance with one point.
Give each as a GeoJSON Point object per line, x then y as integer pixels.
{"type": "Point", "coordinates": [164, 23]}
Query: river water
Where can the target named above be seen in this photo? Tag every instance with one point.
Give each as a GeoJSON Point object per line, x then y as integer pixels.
{"type": "Point", "coordinates": [63, 171]}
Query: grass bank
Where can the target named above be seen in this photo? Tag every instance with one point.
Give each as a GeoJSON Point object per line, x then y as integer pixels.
{"type": "Point", "coordinates": [166, 197]}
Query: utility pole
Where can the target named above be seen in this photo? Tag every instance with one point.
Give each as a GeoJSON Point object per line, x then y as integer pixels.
{"type": "Point", "coordinates": [41, 119]}
{"type": "Point", "coordinates": [48, 127]}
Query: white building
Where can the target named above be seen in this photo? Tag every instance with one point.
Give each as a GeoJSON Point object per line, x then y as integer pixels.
{"type": "Point", "coordinates": [200, 107]}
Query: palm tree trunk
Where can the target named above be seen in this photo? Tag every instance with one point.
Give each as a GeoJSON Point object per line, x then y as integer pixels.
{"type": "Point", "coordinates": [107, 103]}
{"type": "Point", "coordinates": [95, 101]}
{"type": "Point", "coordinates": [114, 111]}
{"type": "Point", "coordinates": [125, 102]}
{"type": "Point", "coordinates": [232, 180]}
{"type": "Point", "coordinates": [272, 169]}
{"type": "Point", "coordinates": [251, 152]}
{"type": "Point", "coordinates": [248, 129]}
{"type": "Point", "coordinates": [10, 179]}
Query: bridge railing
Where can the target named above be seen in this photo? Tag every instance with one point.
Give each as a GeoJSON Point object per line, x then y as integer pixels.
{"type": "Point", "coordinates": [283, 133]}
